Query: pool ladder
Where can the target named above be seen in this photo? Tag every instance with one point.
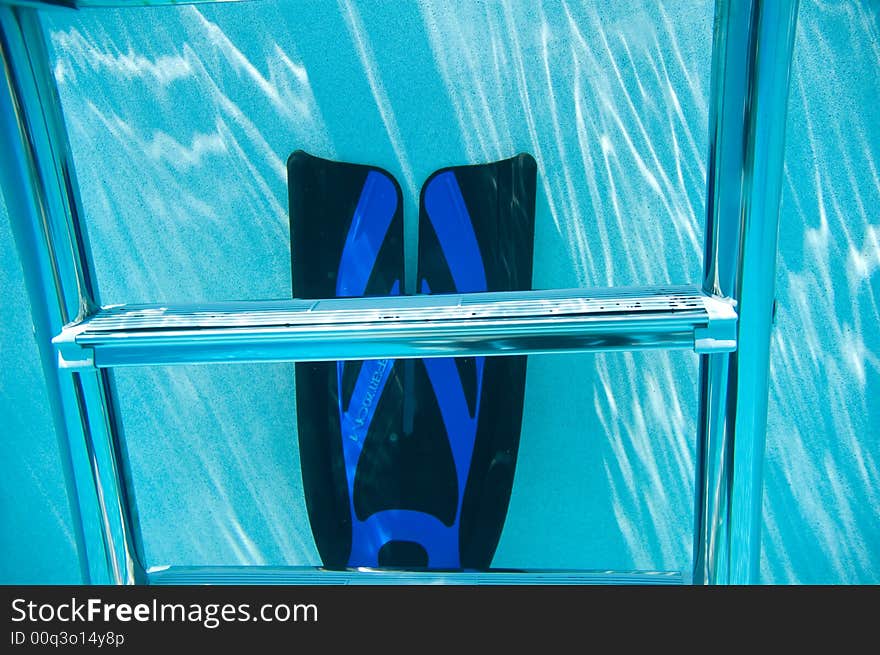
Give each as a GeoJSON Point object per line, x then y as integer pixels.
{"type": "Point", "coordinates": [727, 318]}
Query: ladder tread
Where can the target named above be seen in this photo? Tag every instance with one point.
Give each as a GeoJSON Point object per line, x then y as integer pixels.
{"type": "Point", "coordinates": [493, 323]}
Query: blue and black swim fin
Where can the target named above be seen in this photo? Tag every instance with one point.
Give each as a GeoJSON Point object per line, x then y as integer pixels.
{"type": "Point", "coordinates": [409, 464]}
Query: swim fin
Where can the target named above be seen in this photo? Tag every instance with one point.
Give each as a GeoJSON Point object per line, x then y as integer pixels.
{"type": "Point", "coordinates": [425, 486]}
{"type": "Point", "coordinates": [476, 233]}
{"type": "Point", "coordinates": [346, 226]}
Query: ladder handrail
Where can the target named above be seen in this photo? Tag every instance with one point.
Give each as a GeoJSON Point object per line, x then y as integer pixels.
{"type": "Point", "coordinates": [751, 62]}
{"type": "Point", "coordinates": [43, 205]}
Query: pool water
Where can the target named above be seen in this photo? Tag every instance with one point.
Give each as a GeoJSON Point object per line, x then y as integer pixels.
{"type": "Point", "coordinates": [181, 120]}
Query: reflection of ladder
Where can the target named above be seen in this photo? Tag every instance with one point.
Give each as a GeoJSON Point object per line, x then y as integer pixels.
{"type": "Point", "coordinates": [727, 319]}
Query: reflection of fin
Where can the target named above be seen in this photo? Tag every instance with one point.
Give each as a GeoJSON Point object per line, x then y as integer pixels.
{"type": "Point", "coordinates": [434, 495]}
{"type": "Point", "coordinates": [476, 231]}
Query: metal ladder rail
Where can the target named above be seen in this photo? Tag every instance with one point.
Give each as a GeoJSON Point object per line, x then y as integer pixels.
{"type": "Point", "coordinates": [751, 64]}
{"type": "Point", "coordinates": [751, 60]}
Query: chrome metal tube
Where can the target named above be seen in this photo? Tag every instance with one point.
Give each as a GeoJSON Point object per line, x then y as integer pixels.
{"type": "Point", "coordinates": [751, 63]}
{"type": "Point", "coordinates": [40, 191]}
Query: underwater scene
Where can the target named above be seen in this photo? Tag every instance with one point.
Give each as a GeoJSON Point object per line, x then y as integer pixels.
{"type": "Point", "coordinates": [182, 121]}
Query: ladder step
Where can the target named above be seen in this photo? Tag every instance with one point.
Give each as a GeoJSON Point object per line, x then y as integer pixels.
{"type": "Point", "coordinates": [258, 575]}
{"type": "Point", "coordinates": [500, 323]}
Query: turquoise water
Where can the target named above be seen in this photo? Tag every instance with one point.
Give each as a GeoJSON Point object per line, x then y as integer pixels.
{"type": "Point", "coordinates": [181, 120]}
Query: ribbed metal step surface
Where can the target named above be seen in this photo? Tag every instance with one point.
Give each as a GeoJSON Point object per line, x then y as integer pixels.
{"type": "Point", "coordinates": [505, 323]}
{"type": "Point", "coordinates": [246, 575]}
